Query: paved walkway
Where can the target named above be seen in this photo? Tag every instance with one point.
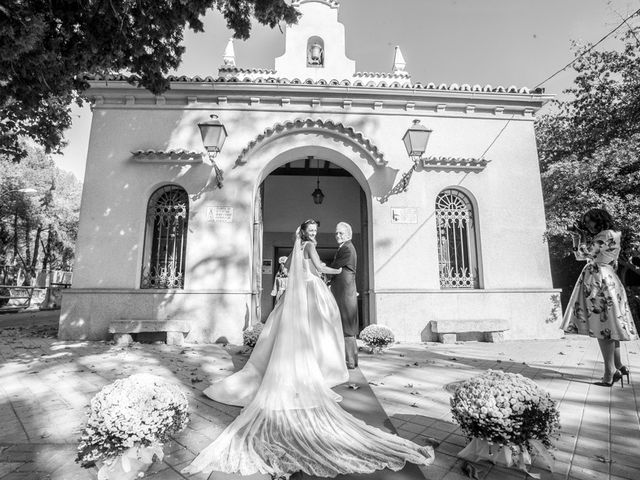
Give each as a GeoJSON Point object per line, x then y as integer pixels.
{"type": "Point", "coordinates": [46, 386]}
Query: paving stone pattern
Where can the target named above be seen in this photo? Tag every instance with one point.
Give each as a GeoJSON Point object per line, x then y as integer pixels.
{"type": "Point", "coordinates": [46, 386]}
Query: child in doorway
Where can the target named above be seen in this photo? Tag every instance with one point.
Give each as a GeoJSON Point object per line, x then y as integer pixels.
{"type": "Point", "coordinates": [280, 284]}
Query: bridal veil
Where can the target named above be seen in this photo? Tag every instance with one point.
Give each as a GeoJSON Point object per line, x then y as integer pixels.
{"type": "Point", "coordinates": [293, 422]}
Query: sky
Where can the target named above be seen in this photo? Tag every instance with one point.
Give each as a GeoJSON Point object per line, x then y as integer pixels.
{"type": "Point", "coordinates": [496, 42]}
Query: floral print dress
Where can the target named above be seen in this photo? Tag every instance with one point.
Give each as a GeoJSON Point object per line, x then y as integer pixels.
{"type": "Point", "coordinates": [598, 306]}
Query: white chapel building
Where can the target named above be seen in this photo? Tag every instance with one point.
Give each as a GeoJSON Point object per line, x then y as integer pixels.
{"type": "Point", "coordinates": [171, 235]}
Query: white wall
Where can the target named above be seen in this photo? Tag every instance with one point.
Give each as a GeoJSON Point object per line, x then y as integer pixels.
{"type": "Point", "coordinates": [403, 257]}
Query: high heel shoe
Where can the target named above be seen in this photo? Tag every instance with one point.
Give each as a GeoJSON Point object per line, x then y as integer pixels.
{"type": "Point", "coordinates": [625, 371]}
{"type": "Point", "coordinates": [616, 376]}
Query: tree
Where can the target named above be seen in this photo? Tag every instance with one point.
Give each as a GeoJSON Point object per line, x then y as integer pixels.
{"type": "Point", "coordinates": [48, 48]}
{"type": "Point", "coordinates": [604, 103]}
{"type": "Point", "coordinates": [37, 231]}
{"type": "Point", "coordinates": [589, 150]}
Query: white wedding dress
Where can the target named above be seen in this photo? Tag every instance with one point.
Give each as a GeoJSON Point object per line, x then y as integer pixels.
{"type": "Point", "coordinates": [291, 420]}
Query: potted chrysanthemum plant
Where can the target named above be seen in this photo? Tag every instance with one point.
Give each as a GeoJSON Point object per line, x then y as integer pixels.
{"type": "Point", "coordinates": [507, 417]}
{"type": "Point", "coordinates": [377, 337]}
{"type": "Point", "coordinates": [251, 334]}
{"type": "Point", "coordinates": [129, 420]}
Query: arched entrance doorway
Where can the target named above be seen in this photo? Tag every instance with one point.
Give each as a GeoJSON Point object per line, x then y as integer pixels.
{"type": "Point", "coordinates": [284, 200]}
{"type": "Point", "coordinates": [338, 148]}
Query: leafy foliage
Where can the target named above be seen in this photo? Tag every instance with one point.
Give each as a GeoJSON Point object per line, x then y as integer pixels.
{"type": "Point", "coordinates": [589, 147]}
{"type": "Point", "coordinates": [47, 49]}
{"type": "Point", "coordinates": [37, 230]}
{"type": "Point", "coordinates": [604, 104]}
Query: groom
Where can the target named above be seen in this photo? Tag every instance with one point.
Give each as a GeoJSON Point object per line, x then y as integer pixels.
{"type": "Point", "coordinates": [343, 287]}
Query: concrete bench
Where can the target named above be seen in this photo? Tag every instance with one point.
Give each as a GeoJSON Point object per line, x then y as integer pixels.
{"type": "Point", "coordinates": [490, 330]}
{"type": "Point", "coordinates": [123, 329]}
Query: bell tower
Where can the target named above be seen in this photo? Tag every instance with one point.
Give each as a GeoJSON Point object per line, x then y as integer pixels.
{"type": "Point", "coordinates": [315, 46]}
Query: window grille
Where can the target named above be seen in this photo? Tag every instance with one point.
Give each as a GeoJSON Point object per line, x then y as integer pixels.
{"type": "Point", "coordinates": [166, 245]}
{"type": "Point", "coordinates": [457, 256]}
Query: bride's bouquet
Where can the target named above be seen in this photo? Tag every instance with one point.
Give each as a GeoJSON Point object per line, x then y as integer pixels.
{"type": "Point", "coordinates": [128, 422]}
{"type": "Point", "coordinates": [507, 416]}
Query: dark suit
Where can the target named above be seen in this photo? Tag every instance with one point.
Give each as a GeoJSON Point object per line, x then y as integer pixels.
{"type": "Point", "coordinates": [343, 287]}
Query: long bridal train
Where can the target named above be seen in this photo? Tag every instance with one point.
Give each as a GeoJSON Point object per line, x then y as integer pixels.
{"type": "Point", "coordinates": [291, 421]}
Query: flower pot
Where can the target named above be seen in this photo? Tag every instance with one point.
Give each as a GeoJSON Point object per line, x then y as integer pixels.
{"type": "Point", "coordinates": [130, 465]}
{"type": "Point", "coordinates": [510, 456]}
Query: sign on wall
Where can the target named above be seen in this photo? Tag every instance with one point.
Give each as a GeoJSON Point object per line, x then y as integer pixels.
{"type": "Point", "coordinates": [267, 266]}
{"type": "Point", "coordinates": [219, 214]}
{"type": "Point", "coordinates": [404, 215]}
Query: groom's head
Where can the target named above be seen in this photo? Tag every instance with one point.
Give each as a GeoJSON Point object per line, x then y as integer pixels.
{"type": "Point", "coordinates": [343, 232]}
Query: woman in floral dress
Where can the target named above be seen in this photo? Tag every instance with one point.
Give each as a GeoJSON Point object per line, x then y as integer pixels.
{"type": "Point", "coordinates": [598, 306]}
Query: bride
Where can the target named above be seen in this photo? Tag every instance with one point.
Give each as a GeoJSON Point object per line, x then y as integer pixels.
{"type": "Point", "coordinates": [291, 420]}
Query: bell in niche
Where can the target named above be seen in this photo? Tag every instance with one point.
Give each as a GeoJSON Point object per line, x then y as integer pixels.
{"type": "Point", "coordinates": [315, 55]}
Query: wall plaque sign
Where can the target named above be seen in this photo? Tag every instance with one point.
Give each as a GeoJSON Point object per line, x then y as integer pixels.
{"type": "Point", "coordinates": [404, 215]}
{"type": "Point", "coordinates": [267, 266]}
{"type": "Point", "coordinates": [219, 214]}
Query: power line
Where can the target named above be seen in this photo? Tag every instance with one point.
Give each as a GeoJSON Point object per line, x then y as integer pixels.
{"type": "Point", "coordinates": [589, 49]}
{"type": "Point", "coordinates": [561, 70]}
{"type": "Point", "coordinates": [497, 136]}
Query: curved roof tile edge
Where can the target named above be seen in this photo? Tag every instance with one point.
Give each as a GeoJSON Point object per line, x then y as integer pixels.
{"type": "Point", "coordinates": [225, 68]}
{"type": "Point", "coordinates": [301, 123]}
{"type": "Point", "coordinates": [455, 160]}
{"type": "Point", "coordinates": [323, 82]}
{"type": "Point", "coordinates": [177, 153]}
{"type": "Point", "coordinates": [383, 74]}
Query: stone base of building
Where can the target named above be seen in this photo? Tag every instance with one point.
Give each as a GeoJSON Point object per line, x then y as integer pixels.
{"type": "Point", "coordinates": [212, 317]}
{"type": "Point", "coordinates": [530, 313]}
{"type": "Point", "coordinates": [221, 317]}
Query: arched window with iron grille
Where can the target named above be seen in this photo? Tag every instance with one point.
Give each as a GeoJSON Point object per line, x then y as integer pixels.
{"type": "Point", "coordinates": [166, 238]}
{"type": "Point", "coordinates": [457, 250]}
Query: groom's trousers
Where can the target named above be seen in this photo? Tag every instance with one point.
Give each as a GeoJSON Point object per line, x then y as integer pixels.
{"type": "Point", "coordinates": [351, 352]}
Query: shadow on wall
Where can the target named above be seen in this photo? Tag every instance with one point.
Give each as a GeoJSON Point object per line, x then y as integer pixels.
{"type": "Point", "coordinates": [112, 242]}
{"type": "Point", "coordinates": [221, 266]}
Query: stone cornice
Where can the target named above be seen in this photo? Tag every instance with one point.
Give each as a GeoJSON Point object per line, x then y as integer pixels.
{"type": "Point", "coordinates": [318, 96]}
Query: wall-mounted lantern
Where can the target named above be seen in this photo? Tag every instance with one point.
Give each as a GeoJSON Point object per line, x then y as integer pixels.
{"type": "Point", "coordinates": [415, 141]}
{"type": "Point", "coordinates": [213, 134]}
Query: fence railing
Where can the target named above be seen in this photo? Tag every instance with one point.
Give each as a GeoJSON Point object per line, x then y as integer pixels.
{"type": "Point", "coordinates": [13, 298]}
{"type": "Point", "coordinates": [17, 276]}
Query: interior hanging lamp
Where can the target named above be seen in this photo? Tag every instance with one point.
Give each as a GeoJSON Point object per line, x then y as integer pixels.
{"type": "Point", "coordinates": [317, 194]}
